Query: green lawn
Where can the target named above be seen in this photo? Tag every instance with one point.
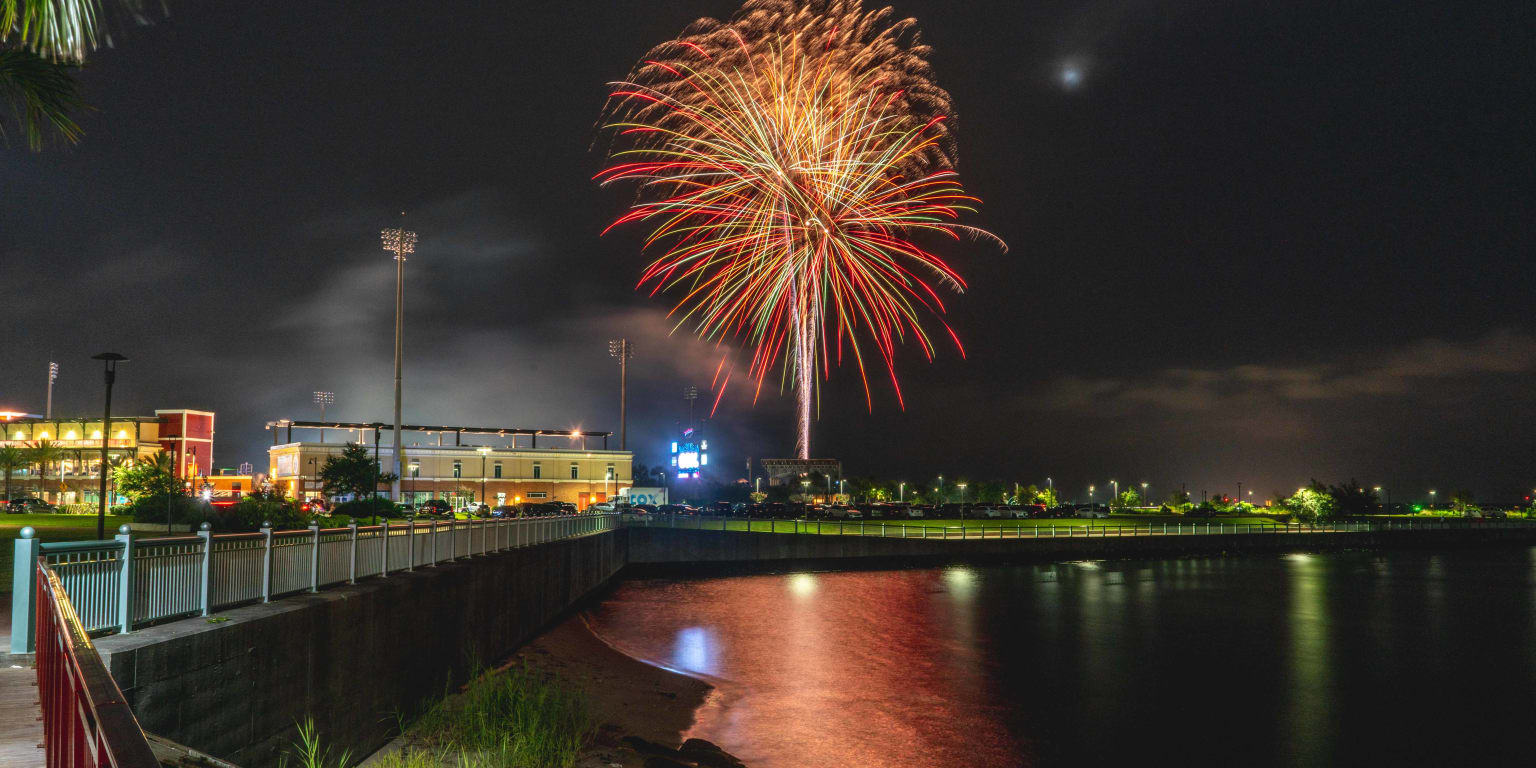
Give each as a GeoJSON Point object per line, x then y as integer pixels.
{"type": "Point", "coordinates": [49, 528]}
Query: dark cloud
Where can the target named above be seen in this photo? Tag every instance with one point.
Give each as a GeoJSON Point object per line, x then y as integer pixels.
{"type": "Point", "coordinates": [1257, 243]}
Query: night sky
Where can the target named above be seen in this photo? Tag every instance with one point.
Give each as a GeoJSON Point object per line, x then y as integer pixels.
{"type": "Point", "coordinates": [1249, 242]}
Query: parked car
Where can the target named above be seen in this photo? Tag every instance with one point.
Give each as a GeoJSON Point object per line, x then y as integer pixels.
{"type": "Point", "coordinates": [1092, 511]}
{"type": "Point", "coordinates": [991, 513]}
{"type": "Point", "coordinates": [29, 505]}
{"type": "Point", "coordinates": [643, 509]}
{"type": "Point", "coordinates": [602, 507]}
{"type": "Point", "coordinates": [1030, 511]}
{"type": "Point", "coordinates": [505, 510]}
{"type": "Point", "coordinates": [434, 508]}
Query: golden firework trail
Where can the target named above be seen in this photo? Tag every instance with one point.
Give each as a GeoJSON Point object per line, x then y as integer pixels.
{"type": "Point", "coordinates": [788, 161]}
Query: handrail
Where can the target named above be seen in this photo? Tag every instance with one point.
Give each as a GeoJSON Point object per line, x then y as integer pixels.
{"type": "Point", "coordinates": [984, 530]}
{"type": "Point", "coordinates": [122, 583]}
{"type": "Point", "coordinates": [86, 720]}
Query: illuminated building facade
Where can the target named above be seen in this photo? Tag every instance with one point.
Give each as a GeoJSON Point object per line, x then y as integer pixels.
{"type": "Point", "coordinates": [459, 464]}
{"type": "Point", "coordinates": [75, 477]}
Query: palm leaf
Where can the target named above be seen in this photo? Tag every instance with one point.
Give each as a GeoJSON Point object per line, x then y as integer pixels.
{"type": "Point", "coordinates": [42, 95]}
{"type": "Point", "coordinates": [60, 30]}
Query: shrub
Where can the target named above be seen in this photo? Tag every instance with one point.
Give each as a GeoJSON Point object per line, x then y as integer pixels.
{"type": "Point", "coordinates": [152, 509]}
{"type": "Point", "coordinates": [364, 508]}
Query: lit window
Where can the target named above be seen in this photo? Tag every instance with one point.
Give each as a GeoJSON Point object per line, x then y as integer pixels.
{"type": "Point", "coordinates": [96, 435]}
{"type": "Point", "coordinates": [574, 471]}
{"type": "Point", "coordinates": [122, 434]}
{"type": "Point", "coordinates": [458, 469]}
{"type": "Point", "coordinates": [69, 435]}
{"type": "Point", "coordinates": [497, 470]}
{"type": "Point", "coordinates": [538, 472]}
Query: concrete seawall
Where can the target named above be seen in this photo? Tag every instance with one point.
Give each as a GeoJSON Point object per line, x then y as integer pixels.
{"type": "Point", "coordinates": [667, 549]}
{"type": "Point", "coordinates": [350, 657]}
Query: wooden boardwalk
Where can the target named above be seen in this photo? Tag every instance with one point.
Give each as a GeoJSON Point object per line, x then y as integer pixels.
{"type": "Point", "coordinates": [21, 732]}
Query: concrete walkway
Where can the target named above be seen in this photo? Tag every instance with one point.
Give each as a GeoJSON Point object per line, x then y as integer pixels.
{"type": "Point", "coordinates": [21, 730]}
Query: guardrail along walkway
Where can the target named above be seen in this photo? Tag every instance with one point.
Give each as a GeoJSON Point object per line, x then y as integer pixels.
{"type": "Point", "coordinates": [127, 582]}
{"type": "Point", "coordinates": [1004, 530]}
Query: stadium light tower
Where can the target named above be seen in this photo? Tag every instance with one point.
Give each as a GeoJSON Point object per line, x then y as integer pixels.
{"type": "Point", "coordinates": [690, 393]}
{"type": "Point", "coordinates": [53, 375]}
{"type": "Point", "coordinates": [323, 399]}
{"type": "Point", "coordinates": [399, 242]}
{"type": "Point", "coordinates": [623, 350]}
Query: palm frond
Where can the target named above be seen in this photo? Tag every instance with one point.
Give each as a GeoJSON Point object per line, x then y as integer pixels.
{"type": "Point", "coordinates": [61, 30]}
{"type": "Point", "coordinates": [42, 94]}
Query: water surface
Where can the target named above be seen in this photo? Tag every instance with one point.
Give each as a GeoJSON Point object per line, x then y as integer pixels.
{"type": "Point", "coordinates": [1405, 658]}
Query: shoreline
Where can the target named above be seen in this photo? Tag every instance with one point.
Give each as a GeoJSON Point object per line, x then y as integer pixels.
{"type": "Point", "coordinates": [626, 697]}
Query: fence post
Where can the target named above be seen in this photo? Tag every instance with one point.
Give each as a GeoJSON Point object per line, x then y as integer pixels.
{"type": "Point", "coordinates": [266, 561]}
{"type": "Point", "coordinates": [205, 532]}
{"type": "Point", "coordinates": [24, 592]}
{"type": "Point", "coordinates": [384, 552]}
{"type": "Point", "coordinates": [452, 535]}
{"type": "Point", "coordinates": [352, 563]}
{"type": "Point", "coordinates": [125, 581]}
{"type": "Point", "coordinates": [314, 554]}
{"type": "Point", "coordinates": [410, 548]}
{"type": "Point", "coordinates": [434, 543]}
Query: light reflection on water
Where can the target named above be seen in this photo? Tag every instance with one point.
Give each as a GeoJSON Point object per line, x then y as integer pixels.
{"type": "Point", "coordinates": [1293, 660]}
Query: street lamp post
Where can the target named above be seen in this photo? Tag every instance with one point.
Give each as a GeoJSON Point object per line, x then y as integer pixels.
{"type": "Point", "coordinates": [1431, 499]}
{"type": "Point", "coordinates": [939, 491]}
{"type": "Point", "coordinates": [962, 487]}
{"type": "Point", "coordinates": [1384, 508]}
{"type": "Point", "coordinates": [1145, 502]}
{"type": "Point", "coordinates": [484, 452]}
{"type": "Point", "coordinates": [401, 242]}
{"type": "Point", "coordinates": [902, 489]}
{"type": "Point", "coordinates": [414, 468]}
{"type": "Point", "coordinates": [623, 350]}
{"type": "Point", "coordinates": [109, 362]}
{"type": "Point", "coordinates": [1090, 495]}
{"type": "Point", "coordinates": [1116, 497]}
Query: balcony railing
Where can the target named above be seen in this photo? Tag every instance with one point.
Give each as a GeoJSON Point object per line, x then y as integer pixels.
{"type": "Point", "coordinates": [125, 582]}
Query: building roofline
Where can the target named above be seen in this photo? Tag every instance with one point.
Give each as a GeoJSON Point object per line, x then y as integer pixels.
{"type": "Point", "coordinates": [385, 448]}
{"type": "Point", "coordinates": [496, 431]}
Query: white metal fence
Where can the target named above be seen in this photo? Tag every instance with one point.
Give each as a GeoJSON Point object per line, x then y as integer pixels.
{"type": "Point", "coordinates": [1051, 530]}
{"type": "Point", "coordinates": [127, 582]}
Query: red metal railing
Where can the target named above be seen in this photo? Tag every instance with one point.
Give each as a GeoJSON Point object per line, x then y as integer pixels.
{"type": "Point", "coordinates": [86, 721]}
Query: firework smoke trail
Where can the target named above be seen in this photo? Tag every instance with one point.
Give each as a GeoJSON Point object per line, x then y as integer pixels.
{"type": "Point", "coordinates": [786, 159]}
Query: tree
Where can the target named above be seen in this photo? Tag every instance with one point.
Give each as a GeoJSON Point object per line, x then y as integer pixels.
{"type": "Point", "coordinates": [1310, 504]}
{"type": "Point", "coordinates": [1129, 498]}
{"type": "Point", "coordinates": [113, 465]}
{"type": "Point", "coordinates": [1046, 496]}
{"type": "Point", "coordinates": [354, 472]}
{"type": "Point", "coordinates": [1177, 499]}
{"type": "Point", "coordinates": [42, 43]}
{"type": "Point", "coordinates": [148, 478]}
{"type": "Point", "coordinates": [44, 453]}
{"type": "Point", "coordinates": [1461, 499]}
{"type": "Point", "coordinates": [12, 459]}
{"type": "Point", "coordinates": [1351, 499]}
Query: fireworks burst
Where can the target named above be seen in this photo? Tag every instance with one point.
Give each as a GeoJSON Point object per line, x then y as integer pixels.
{"type": "Point", "coordinates": [786, 159]}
